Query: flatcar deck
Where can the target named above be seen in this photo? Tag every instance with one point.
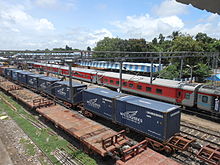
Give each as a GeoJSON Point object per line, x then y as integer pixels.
{"type": "Point", "coordinates": [87, 131]}
{"type": "Point", "coordinates": [148, 157]}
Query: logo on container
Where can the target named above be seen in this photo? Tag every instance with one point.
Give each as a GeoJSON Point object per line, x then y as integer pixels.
{"type": "Point", "coordinates": [61, 92]}
{"type": "Point", "coordinates": [43, 85]}
{"type": "Point", "coordinates": [31, 81]}
{"type": "Point", "coordinates": [93, 103]}
{"type": "Point", "coordinates": [131, 116]}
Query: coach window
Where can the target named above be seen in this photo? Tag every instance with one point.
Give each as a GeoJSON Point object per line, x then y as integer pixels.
{"type": "Point", "coordinates": [111, 81]}
{"type": "Point", "coordinates": [159, 91]}
{"type": "Point", "coordinates": [139, 87]}
{"type": "Point", "coordinates": [117, 82]}
{"type": "Point", "coordinates": [131, 85]}
{"type": "Point", "coordinates": [148, 89]}
{"type": "Point", "coordinates": [125, 83]}
{"type": "Point", "coordinates": [106, 80]}
{"type": "Point", "coordinates": [187, 96]}
{"type": "Point", "coordinates": [205, 99]}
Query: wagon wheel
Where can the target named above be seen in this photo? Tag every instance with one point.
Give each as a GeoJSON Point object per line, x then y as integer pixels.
{"type": "Point", "coordinates": [168, 150]}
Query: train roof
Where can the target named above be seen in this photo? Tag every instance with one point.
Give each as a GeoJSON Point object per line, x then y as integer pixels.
{"type": "Point", "coordinates": [129, 77]}
{"type": "Point", "coordinates": [144, 79]}
{"type": "Point", "coordinates": [73, 68]}
{"type": "Point", "coordinates": [210, 89]}
{"type": "Point", "coordinates": [130, 66]}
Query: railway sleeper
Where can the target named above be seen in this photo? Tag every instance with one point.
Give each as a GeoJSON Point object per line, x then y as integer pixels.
{"type": "Point", "coordinates": [209, 154]}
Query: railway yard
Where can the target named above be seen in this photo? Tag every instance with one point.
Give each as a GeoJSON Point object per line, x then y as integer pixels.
{"type": "Point", "coordinates": [145, 91]}
{"type": "Point", "coordinates": [52, 133]}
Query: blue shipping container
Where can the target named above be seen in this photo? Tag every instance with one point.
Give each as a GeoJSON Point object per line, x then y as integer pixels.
{"type": "Point", "coordinates": [15, 74]}
{"type": "Point", "coordinates": [100, 101]}
{"type": "Point", "coordinates": [62, 91]}
{"type": "Point", "coordinates": [46, 84]}
{"type": "Point", "coordinates": [154, 118]}
{"type": "Point", "coordinates": [22, 76]}
{"type": "Point", "coordinates": [32, 80]}
{"type": "Point", "coordinates": [8, 72]}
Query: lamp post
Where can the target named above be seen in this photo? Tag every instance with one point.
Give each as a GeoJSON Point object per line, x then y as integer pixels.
{"type": "Point", "coordinates": [191, 71]}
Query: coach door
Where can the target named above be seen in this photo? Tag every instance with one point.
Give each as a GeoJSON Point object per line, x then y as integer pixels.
{"type": "Point", "coordinates": [179, 95]}
{"type": "Point", "coordinates": [94, 78]}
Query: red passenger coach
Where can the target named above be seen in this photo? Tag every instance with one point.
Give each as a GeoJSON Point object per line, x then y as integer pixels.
{"type": "Point", "coordinates": [177, 92]}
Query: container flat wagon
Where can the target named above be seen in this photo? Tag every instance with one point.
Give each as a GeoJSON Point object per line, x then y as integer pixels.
{"type": "Point", "coordinates": [94, 136]}
{"type": "Point", "coordinates": [153, 118]}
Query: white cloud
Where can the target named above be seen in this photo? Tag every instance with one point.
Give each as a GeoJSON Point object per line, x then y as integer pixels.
{"type": "Point", "coordinates": [170, 8]}
{"type": "Point", "coordinates": [148, 27]}
{"type": "Point", "coordinates": [20, 30]}
{"type": "Point", "coordinates": [209, 25]}
{"type": "Point", "coordinates": [98, 35]}
{"type": "Point", "coordinates": [15, 17]}
{"type": "Point", "coordinates": [43, 23]}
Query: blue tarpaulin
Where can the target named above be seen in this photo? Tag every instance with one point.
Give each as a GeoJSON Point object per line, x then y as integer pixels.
{"type": "Point", "coordinates": [214, 77]}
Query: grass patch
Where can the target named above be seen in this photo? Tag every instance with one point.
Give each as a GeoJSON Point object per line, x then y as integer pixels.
{"type": "Point", "coordinates": [46, 142]}
{"type": "Point", "coordinates": [29, 148]}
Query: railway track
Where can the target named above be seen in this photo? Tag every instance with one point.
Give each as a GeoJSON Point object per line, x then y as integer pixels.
{"type": "Point", "coordinates": [64, 158]}
{"type": "Point", "coordinates": [202, 115]}
{"type": "Point", "coordinates": [50, 161]}
{"type": "Point", "coordinates": [203, 135]}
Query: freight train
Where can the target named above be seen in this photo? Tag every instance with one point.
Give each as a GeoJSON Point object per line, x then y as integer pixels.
{"type": "Point", "coordinates": [159, 122]}
{"type": "Point", "coordinates": [155, 119]}
{"type": "Point", "coordinates": [202, 97]}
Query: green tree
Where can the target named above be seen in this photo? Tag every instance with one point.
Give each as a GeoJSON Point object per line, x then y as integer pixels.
{"type": "Point", "coordinates": [186, 43]}
{"type": "Point", "coordinates": [174, 35]}
{"type": "Point", "coordinates": [154, 41]}
{"type": "Point", "coordinates": [170, 72]}
{"type": "Point", "coordinates": [161, 38]}
{"type": "Point", "coordinates": [88, 48]}
{"type": "Point", "coordinates": [202, 71]}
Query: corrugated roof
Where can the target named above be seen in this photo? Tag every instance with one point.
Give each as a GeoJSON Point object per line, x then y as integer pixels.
{"type": "Point", "coordinates": [149, 104]}
{"type": "Point", "coordinates": [209, 5]}
{"type": "Point", "coordinates": [104, 92]}
{"type": "Point", "coordinates": [49, 78]}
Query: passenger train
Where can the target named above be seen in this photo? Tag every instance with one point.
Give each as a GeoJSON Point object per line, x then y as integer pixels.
{"type": "Point", "coordinates": [202, 97]}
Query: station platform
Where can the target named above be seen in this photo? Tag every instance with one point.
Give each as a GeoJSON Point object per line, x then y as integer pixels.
{"type": "Point", "coordinates": [4, 155]}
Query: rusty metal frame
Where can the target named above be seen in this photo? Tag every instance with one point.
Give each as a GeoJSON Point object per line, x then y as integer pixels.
{"type": "Point", "coordinates": [180, 142]}
{"type": "Point", "coordinates": [2, 79]}
{"type": "Point", "coordinates": [114, 139]}
{"type": "Point", "coordinates": [13, 87]}
{"type": "Point", "coordinates": [134, 150]}
{"type": "Point", "coordinates": [209, 154]}
{"type": "Point", "coordinates": [42, 102]}
{"type": "Point", "coordinates": [158, 146]}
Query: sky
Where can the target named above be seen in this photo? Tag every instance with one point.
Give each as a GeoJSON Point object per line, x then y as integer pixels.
{"type": "Point", "coordinates": [41, 24]}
